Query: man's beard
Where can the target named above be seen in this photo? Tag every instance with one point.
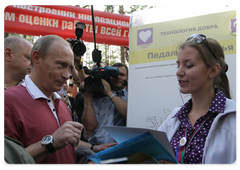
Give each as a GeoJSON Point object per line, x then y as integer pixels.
{"type": "Point", "coordinates": [117, 88]}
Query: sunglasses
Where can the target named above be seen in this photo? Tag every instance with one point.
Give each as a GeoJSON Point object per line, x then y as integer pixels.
{"type": "Point", "coordinates": [200, 38]}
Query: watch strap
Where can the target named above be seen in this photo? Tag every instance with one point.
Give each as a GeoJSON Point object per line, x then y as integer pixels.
{"type": "Point", "coordinates": [50, 148]}
{"type": "Point", "coordinates": [92, 146]}
{"type": "Point", "coordinates": [113, 95]}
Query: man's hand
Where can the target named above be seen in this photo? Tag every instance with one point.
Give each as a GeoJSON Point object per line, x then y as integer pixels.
{"type": "Point", "coordinates": [68, 133]}
{"type": "Point", "coordinates": [98, 148]}
{"type": "Point", "coordinates": [91, 162]}
{"type": "Point", "coordinates": [86, 94]}
{"type": "Point", "coordinates": [77, 59]}
{"type": "Point", "coordinates": [106, 88]}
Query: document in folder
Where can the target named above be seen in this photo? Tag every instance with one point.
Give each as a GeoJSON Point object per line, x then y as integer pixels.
{"type": "Point", "coordinates": [136, 140]}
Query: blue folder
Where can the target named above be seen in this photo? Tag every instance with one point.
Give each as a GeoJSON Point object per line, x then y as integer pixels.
{"type": "Point", "coordinates": [144, 143]}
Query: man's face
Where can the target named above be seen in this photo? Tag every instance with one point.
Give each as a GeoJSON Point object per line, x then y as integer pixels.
{"type": "Point", "coordinates": [21, 59]}
{"type": "Point", "coordinates": [56, 67]}
{"type": "Point", "coordinates": [117, 82]}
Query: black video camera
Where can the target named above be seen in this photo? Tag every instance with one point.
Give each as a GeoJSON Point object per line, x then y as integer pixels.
{"type": "Point", "coordinates": [93, 83]}
{"type": "Point", "coordinates": [78, 46]}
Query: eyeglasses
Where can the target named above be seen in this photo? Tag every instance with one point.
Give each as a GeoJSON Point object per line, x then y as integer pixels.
{"type": "Point", "coordinates": [199, 38]}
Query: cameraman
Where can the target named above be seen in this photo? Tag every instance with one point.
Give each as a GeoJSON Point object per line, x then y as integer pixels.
{"type": "Point", "coordinates": [109, 110]}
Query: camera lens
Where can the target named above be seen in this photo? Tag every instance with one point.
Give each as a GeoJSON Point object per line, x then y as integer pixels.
{"type": "Point", "coordinates": [79, 48]}
{"type": "Point", "coordinates": [94, 84]}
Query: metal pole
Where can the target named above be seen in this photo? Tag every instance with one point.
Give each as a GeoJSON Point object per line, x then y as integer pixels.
{"type": "Point", "coordinates": [93, 24]}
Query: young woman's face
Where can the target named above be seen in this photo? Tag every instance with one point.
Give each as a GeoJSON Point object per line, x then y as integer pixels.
{"type": "Point", "coordinates": [193, 75]}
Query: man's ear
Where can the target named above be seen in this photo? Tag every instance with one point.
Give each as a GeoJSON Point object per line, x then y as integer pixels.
{"type": "Point", "coordinates": [36, 58]}
{"type": "Point", "coordinates": [8, 54]}
{"type": "Point", "coordinates": [215, 70]}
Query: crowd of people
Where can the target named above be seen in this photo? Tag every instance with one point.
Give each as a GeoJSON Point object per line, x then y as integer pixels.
{"type": "Point", "coordinates": [43, 124]}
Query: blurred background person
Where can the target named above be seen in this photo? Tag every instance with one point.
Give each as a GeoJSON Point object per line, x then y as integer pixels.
{"type": "Point", "coordinates": [16, 60]}
{"type": "Point", "coordinates": [109, 109]}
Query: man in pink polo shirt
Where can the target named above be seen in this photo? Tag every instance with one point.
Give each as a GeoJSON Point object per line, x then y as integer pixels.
{"type": "Point", "coordinates": [34, 113]}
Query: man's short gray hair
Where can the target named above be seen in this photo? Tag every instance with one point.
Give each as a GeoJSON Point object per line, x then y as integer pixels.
{"type": "Point", "coordinates": [13, 42]}
{"type": "Point", "coordinates": [44, 44]}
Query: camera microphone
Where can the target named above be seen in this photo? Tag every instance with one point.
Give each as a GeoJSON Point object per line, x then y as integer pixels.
{"type": "Point", "coordinates": [125, 83]}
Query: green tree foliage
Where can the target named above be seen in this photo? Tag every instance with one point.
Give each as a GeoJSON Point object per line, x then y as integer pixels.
{"type": "Point", "coordinates": [110, 53]}
{"type": "Point", "coordinates": [28, 37]}
{"type": "Point", "coordinates": [109, 8]}
{"type": "Point", "coordinates": [134, 8]}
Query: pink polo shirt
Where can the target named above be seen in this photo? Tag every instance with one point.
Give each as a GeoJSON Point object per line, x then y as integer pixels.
{"type": "Point", "coordinates": [28, 119]}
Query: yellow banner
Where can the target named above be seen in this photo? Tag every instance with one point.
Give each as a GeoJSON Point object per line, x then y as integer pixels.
{"type": "Point", "coordinates": [159, 41]}
{"type": "Point", "coordinates": [170, 53]}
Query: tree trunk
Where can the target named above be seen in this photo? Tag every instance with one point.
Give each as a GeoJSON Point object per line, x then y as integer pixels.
{"type": "Point", "coordinates": [107, 55]}
{"type": "Point", "coordinates": [122, 55]}
{"type": "Point", "coordinates": [121, 11]}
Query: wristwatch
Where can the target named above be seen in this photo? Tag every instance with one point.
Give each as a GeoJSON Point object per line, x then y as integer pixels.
{"type": "Point", "coordinates": [47, 141]}
{"type": "Point", "coordinates": [113, 95]}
